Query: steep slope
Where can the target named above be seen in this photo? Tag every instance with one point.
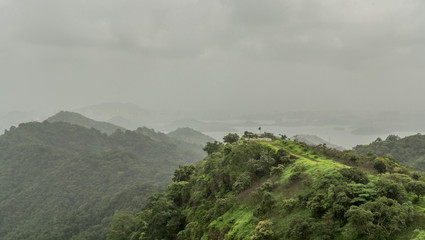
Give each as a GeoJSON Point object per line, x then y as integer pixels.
{"type": "Point", "coordinates": [63, 181]}
{"type": "Point", "coordinates": [282, 190]}
{"type": "Point", "coordinates": [190, 135]}
{"type": "Point", "coordinates": [408, 150]}
{"type": "Point", "coordinates": [80, 120]}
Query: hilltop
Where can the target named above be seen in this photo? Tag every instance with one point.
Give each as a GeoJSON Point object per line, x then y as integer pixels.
{"type": "Point", "coordinates": [282, 189]}
{"type": "Point", "coordinates": [80, 120]}
{"type": "Point", "coordinates": [128, 115]}
{"type": "Point", "coordinates": [190, 135]}
{"type": "Point", "coordinates": [64, 181]}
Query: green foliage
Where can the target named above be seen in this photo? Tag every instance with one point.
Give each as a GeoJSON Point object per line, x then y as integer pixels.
{"type": "Point", "coordinates": [417, 187]}
{"type": "Point", "coordinates": [380, 166]}
{"type": "Point", "coordinates": [255, 190]}
{"type": "Point", "coordinates": [390, 189]}
{"type": "Point", "coordinates": [300, 228]}
{"type": "Point", "coordinates": [354, 174]}
{"type": "Point", "coordinates": [419, 235]}
{"type": "Point", "coordinates": [159, 219]}
{"type": "Point", "coordinates": [408, 150]}
{"type": "Point", "coordinates": [122, 226]}
{"type": "Point", "coordinates": [183, 173]}
{"type": "Point", "coordinates": [263, 231]}
{"type": "Point", "coordinates": [63, 181]}
{"type": "Point", "coordinates": [212, 147]}
{"type": "Point", "coordinates": [231, 138]}
{"type": "Point", "coordinates": [262, 166]}
{"type": "Point", "coordinates": [378, 219]}
{"type": "Point", "coordinates": [243, 182]}
{"type": "Point", "coordinates": [249, 135]}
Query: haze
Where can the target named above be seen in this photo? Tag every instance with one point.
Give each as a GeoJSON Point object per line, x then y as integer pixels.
{"type": "Point", "coordinates": [213, 56]}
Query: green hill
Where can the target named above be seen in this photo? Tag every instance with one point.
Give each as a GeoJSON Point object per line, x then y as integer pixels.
{"type": "Point", "coordinates": [190, 136]}
{"type": "Point", "coordinates": [80, 120]}
{"type": "Point", "coordinates": [409, 150]}
{"type": "Point", "coordinates": [282, 190]}
{"type": "Point", "coordinates": [63, 181]}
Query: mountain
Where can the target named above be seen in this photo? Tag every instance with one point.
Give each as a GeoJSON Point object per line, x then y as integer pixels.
{"type": "Point", "coordinates": [64, 181]}
{"type": "Point", "coordinates": [315, 140]}
{"type": "Point", "coordinates": [189, 135]}
{"type": "Point", "coordinates": [202, 126]}
{"type": "Point", "coordinates": [409, 150]}
{"type": "Point", "coordinates": [128, 115]}
{"type": "Point", "coordinates": [80, 120]}
{"type": "Point", "coordinates": [282, 190]}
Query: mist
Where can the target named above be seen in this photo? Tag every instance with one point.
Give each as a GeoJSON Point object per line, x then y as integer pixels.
{"type": "Point", "coordinates": [220, 56]}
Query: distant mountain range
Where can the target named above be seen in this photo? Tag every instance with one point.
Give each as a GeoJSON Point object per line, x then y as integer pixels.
{"type": "Point", "coordinates": [202, 126]}
{"type": "Point", "coordinates": [128, 115]}
{"type": "Point", "coordinates": [80, 120]}
{"type": "Point", "coordinates": [314, 140]}
{"type": "Point", "coordinates": [191, 136]}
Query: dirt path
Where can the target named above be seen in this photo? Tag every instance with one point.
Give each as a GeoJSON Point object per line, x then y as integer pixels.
{"type": "Point", "coordinates": [293, 153]}
{"type": "Point", "coordinates": [246, 192]}
{"type": "Point", "coordinates": [298, 155]}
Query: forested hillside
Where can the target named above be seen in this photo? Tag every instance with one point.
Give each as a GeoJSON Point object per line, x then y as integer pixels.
{"type": "Point", "coordinates": [282, 190]}
{"type": "Point", "coordinates": [62, 181]}
{"type": "Point", "coordinates": [408, 150]}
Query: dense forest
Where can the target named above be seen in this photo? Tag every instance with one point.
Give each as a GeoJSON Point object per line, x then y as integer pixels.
{"type": "Point", "coordinates": [409, 150]}
{"type": "Point", "coordinates": [282, 189]}
{"type": "Point", "coordinates": [63, 181]}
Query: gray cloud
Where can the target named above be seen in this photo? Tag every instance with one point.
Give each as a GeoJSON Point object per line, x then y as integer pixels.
{"type": "Point", "coordinates": [190, 55]}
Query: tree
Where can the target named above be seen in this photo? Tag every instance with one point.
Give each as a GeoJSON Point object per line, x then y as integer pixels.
{"type": "Point", "coordinates": [231, 138]}
{"type": "Point", "coordinates": [212, 147]}
{"type": "Point", "coordinates": [360, 222]}
{"type": "Point", "coordinates": [391, 189]}
{"type": "Point", "coordinates": [247, 134]}
{"type": "Point", "coordinates": [380, 166]}
{"type": "Point", "coordinates": [354, 174]}
{"type": "Point", "coordinates": [123, 224]}
{"type": "Point", "coordinates": [417, 187]}
{"type": "Point", "coordinates": [183, 173]}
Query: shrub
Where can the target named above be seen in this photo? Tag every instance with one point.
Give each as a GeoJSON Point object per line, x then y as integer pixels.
{"type": "Point", "coordinates": [354, 174]}
{"type": "Point", "coordinates": [242, 182]}
{"type": "Point", "coordinates": [263, 231]}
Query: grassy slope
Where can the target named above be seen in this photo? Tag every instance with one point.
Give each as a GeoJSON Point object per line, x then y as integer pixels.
{"type": "Point", "coordinates": [241, 219]}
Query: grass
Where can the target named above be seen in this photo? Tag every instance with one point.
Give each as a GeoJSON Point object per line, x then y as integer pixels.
{"type": "Point", "coordinates": [241, 221]}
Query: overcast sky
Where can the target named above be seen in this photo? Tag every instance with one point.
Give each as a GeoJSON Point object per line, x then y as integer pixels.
{"type": "Point", "coordinates": [187, 55]}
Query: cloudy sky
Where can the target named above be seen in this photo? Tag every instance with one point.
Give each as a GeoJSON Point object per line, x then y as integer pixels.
{"type": "Point", "coordinates": [189, 55]}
